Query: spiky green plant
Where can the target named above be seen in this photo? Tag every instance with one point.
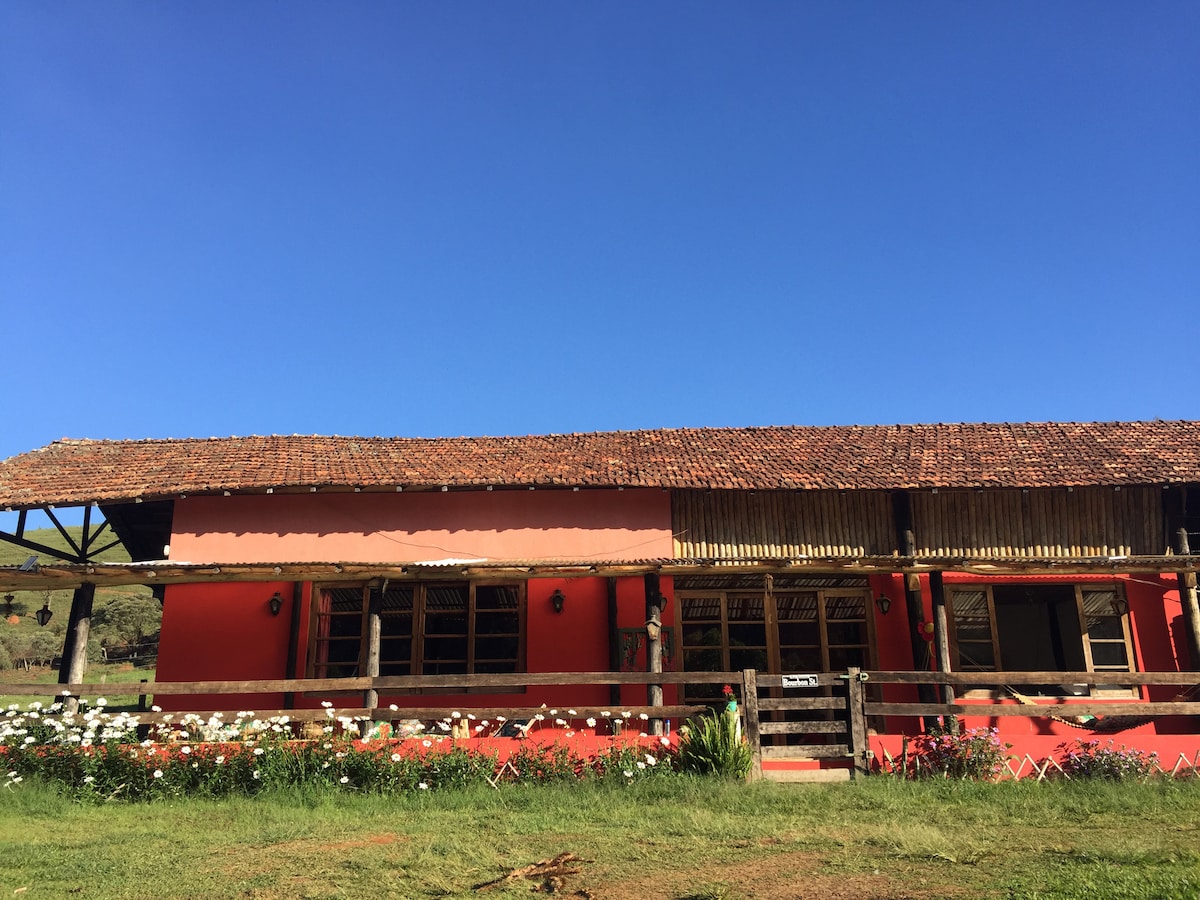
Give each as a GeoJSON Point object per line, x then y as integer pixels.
{"type": "Point", "coordinates": [713, 745]}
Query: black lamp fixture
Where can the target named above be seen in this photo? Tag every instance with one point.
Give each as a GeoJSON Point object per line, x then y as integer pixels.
{"type": "Point", "coordinates": [44, 614]}
{"type": "Point", "coordinates": [557, 600]}
{"type": "Point", "coordinates": [276, 604]}
{"type": "Point", "coordinates": [884, 603]}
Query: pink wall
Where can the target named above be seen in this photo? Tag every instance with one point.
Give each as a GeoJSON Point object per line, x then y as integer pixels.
{"type": "Point", "coordinates": [549, 524]}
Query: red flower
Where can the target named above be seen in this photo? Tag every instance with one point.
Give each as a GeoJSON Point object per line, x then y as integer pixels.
{"type": "Point", "coordinates": [727, 690]}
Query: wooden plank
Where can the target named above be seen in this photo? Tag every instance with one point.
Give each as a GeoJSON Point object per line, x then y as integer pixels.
{"type": "Point", "coordinates": [1066, 710]}
{"type": "Point", "coordinates": [1019, 678]}
{"type": "Point", "coordinates": [750, 714]}
{"type": "Point", "coordinates": [807, 751]}
{"type": "Point", "coordinates": [774, 704]}
{"type": "Point", "coordinates": [824, 679]}
{"type": "Point", "coordinates": [814, 727]}
{"type": "Point", "coordinates": [859, 746]}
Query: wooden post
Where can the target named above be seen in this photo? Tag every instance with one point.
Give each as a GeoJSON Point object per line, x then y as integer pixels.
{"type": "Point", "coordinates": [941, 637]}
{"type": "Point", "coordinates": [750, 714]}
{"type": "Point", "coordinates": [614, 642]}
{"type": "Point", "coordinates": [906, 543]}
{"type": "Point", "coordinates": [654, 692]}
{"type": "Point", "coordinates": [293, 650]}
{"type": "Point", "coordinates": [1181, 544]}
{"type": "Point", "coordinates": [860, 747]}
{"type": "Point", "coordinates": [74, 655]}
{"type": "Point", "coordinates": [374, 638]}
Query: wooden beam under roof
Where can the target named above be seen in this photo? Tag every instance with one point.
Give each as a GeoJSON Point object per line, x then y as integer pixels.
{"type": "Point", "coordinates": [60, 577]}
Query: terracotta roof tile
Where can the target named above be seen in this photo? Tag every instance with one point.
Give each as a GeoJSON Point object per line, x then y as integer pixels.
{"type": "Point", "coordinates": [1028, 455]}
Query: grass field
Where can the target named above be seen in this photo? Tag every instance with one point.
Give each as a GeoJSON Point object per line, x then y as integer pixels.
{"type": "Point", "coordinates": [669, 838]}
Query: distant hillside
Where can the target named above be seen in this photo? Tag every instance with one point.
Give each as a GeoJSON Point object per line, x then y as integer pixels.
{"type": "Point", "coordinates": [12, 555]}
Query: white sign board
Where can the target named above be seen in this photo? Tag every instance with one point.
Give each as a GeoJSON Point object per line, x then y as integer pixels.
{"type": "Point", "coordinates": [799, 681]}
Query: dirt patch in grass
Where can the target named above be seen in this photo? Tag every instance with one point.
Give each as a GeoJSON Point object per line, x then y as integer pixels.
{"type": "Point", "coordinates": [788, 875]}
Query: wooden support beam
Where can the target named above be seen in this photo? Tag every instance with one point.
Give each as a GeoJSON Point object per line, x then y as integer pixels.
{"type": "Point", "coordinates": [860, 748]}
{"type": "Point", "coordinates": [1177, 517]}
{"type": "Point", "coordinates": [79, 625]}
{"type": "Point", "coordinates": [750, 714]}
{"type": "Point", "coordinates": [654, 604]}
{"type": "Point", "coordinates": [941, 639]}
{"type": "Point", "coordinates": [293, 650]}
{"type": "Point", "coordinates": [374, 641]}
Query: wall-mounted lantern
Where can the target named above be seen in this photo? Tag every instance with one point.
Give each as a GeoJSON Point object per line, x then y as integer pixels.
{"type": "Point", "coordinates": [557, 600]}
{"type": "Point", "coordinates": [884, 603]}
{"type": "Point", "coordinates": [44, 614]}
{"type": "Point", "coordinates": [276, 604]}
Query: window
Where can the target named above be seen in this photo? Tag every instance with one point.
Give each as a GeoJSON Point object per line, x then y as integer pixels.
{"type": "Point", "coordinates": [781, 630]}
{"type": "Point", "coordinates": [452, 628]}
{"type": "Point", "coordinates": [1041, 628]}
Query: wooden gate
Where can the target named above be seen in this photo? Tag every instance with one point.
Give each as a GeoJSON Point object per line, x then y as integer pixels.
{"type": "Point", "coordinates": [805, 717]}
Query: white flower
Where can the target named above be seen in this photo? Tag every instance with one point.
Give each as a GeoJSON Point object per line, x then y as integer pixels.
{"type": "Point", "coordinates": [219, 760]}
{"type": "Point", "coordinates": [422, 786]}
{"type": "Point", "coordinates": [562, 722]}
{"type": "Point", "coordinates": [628, 773]}
{"type": "Point", "coordinates": [591, 722]}
{"type": "Point", "coordinates": [426, 743]}
{"type": "Point", "coordinates": [156, 708]}
{"type": "Point", "coordinates": [255, 774]}
{"type": "Point", "coordinates": [626, 714]}
{"type": "Point", "coordinates": [666, 742]}
{"type": "Point", "coordinates": [456, 715]}
{"type": "Point", "coordinates": [185, 750]}
{"type": "Point", "coordinates": [395, 757]}
{"type": "Point", "coordinates": [641, 765]}
{"type": "Point", "coordinates": [100, 701]}
{"type": "Point", "coordinates": [344, 779]}
{"type": "Point", "coordinates": [158, 773]}
{"type": "Point", "coordinates": [650, 760]}
{"type": "Point", "coordinates": [393, 707]}
{"type": "Point", "coordinates": [604, 714]}
{"type": "Point", "coordinates": [258, 751]}
{"type": "Point", "coordinates": [88, 779]}
{"type": "Point", "coordinates": [554, 712]}
{"type": "Point", "coordinates": [643, 716]}
{"type": "Point", "coordinates": [571, 712]}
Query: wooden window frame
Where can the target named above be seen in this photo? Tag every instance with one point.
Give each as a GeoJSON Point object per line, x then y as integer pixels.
{"type": "Point", "coordinates": [420, 616]}
{"type": "Point", "coordinates": [1085, 638]}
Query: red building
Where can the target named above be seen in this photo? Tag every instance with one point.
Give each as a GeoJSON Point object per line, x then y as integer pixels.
{"type": "Point", "coordinates": [1049, 547]}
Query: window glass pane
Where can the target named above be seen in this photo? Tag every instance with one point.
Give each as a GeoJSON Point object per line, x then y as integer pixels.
{"type": "Point", "coordinates": [745, 658]}
{"type": "Point", "coordinates": [443, 648]}
{"type": "Point", "coordinates": [445, 667]}
{"type": "Point", "coordinates": [846, 607]}
{"type": "Point", "coordinates": [442, 623]}
{"type": "Point", "coordinates": [745, 608]}
{"type": "Point", "coordinates": [345, 626]}
{"type": "Point", "coordinates": [395, 668]}
{"type": "Point", "coordinates": [497, 623]}
{"type": "Point", "coordinates": [799, 633]}
{"type": "Point", "coordinates": [396, 626]}
{"type": "Point", "coordinates": [971, 604]}
{"type": "Point", "coordinates": [801, 659]}
{"type": "Point", "coordinates": [847, 633]}
{"type": "Point", "coordinates": [700, 608]}
{"type": "Point", "coordinates": [702, 635]}
{"type": "Point", "coordinates": [447, 597]}
{"type": "Point", "coordinates": [973, 629]}
{"type": "Point", "coordinates": [397, 600]}
{"type": "Point", "coordinates": [1106, 627]}
{"type": "Point", "coordinates": [796, 606]}
{"type": "Point", "coordinates": [495, 667]}
{"type": "Point", "coordinates": [496, 596]}
{"type": "Point", "coordinates": [497, 648]}
{"type": "Point", "coordinates": [395, 650]}
{"type": "Point", "coordinates": [973, 656]}
{"type": "Point", "coordinates": [1109, 653]}
{"type": "Point", "coordinates": [747, 636]}
{"type": "Point", "coordinates": [702, 660]}
{"type": "Point", "coordinates": [1098, 603]}
{"type": "Point", "coordinates": [844, 657]}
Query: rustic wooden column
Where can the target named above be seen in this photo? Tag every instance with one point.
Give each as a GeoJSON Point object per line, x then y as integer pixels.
{"type": "Point", "coordinates": [1176, 507]}
{"type": "Point", "coordinates": [860, 746]}
{"type": "Point", "coordinates": [654, 692]}
{"type": "Point", "coordinates": [941, 638]}
{"type": "Point", "coordinates": [74, 655]}
{"type": "Point", "coordinates": [906, 543]}
{"type": "Point", "coordinates": [750, 714]}
{"type": "Point", "coordinates": [614, 642]}
{"type": "Point", "coordinates": [293, 650]}
{"type": "Point", "coordinates": [374, 639]}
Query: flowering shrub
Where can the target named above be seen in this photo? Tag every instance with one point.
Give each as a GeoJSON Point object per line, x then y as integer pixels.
{"type": "Point", "coordinates": [1088, 759]}
{"type": "Point", "coordinates": [94, 755]}
{"type": "Point", "coordinates": [975, 754]}
{"type": "Point", "coordinates": [713, 744]}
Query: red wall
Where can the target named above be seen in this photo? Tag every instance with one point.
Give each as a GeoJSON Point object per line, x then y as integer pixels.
{"type": "Point", "coordinates": [414, 527]}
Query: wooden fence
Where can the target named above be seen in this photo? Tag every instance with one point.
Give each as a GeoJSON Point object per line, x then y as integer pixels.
{"type": "Point", "coordinates": [778, 710]}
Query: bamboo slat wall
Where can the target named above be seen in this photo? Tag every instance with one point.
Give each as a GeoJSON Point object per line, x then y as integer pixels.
{"type": "Point", "coordinates": [1094, 521]}
{"type": "Point", "coordinates": [781, 524]}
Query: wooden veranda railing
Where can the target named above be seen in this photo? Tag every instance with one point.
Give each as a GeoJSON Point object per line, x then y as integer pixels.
{"type": "Point", "coordinates": [779, 724]}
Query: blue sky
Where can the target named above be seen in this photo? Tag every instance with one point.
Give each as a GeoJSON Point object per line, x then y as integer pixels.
{"type": "Point", "coordinates": [483, 218]}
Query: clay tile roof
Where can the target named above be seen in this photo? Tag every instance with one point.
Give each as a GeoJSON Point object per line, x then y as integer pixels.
{"type": "Point", "coordinates": [1024, 455]}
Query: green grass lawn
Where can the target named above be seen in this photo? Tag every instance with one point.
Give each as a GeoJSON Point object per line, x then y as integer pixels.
{"type": "Point", "coordinates": [667, 838]}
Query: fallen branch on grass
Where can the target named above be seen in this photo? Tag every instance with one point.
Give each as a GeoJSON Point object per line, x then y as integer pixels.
{"type": "Point", "coordinates": [549, 871]}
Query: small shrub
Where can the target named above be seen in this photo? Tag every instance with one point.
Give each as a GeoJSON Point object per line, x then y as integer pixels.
{"type": "Point", "coordinates": [975, 754]}
{"type": "Point", "coordinates": [1090, 760]}
{"type": "Point", "coordinates": [713, 745]}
